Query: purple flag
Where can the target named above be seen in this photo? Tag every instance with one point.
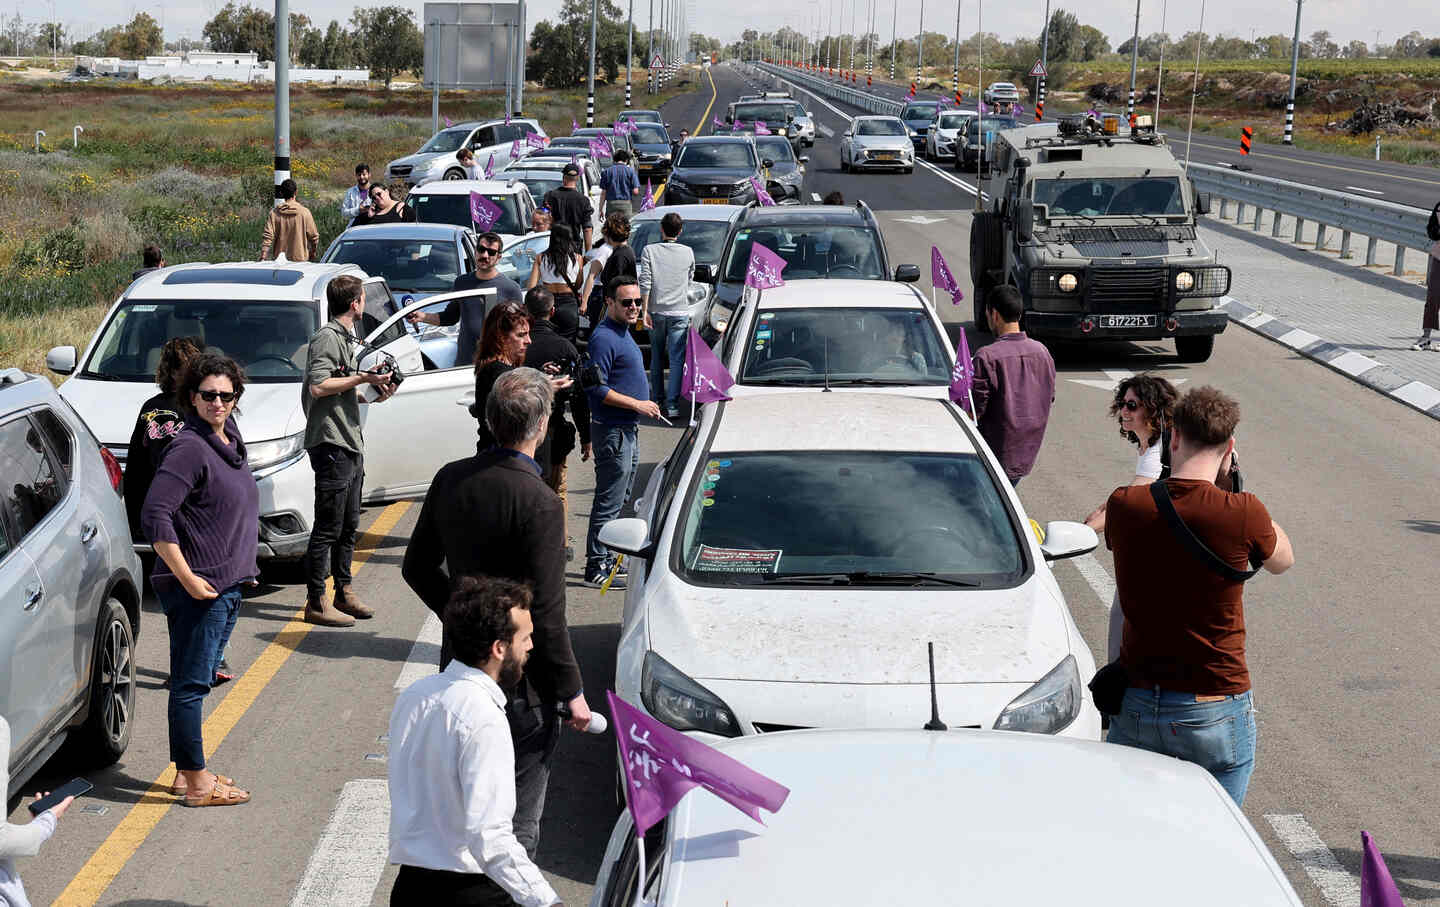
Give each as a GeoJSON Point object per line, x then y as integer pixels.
{"type": "Point", "coordinates": [761, 195]}
{"type": "Point", "coordinates": [1092, 112]}
{"type": "Point", "coordinates": [605, 146]}
{"type": "Point", "coordinates": [448, 124]}
{"type": "Point", "coordinates": [483, 212]}
{"type": "Point", "coordinates": [662, 765]}
{"type": "Point", "coordinates": [597, 150]}
{"type": "Point", "coordinates": [705, 378]}
{"type": "Point", "coordinates": [515, 148]}
{"type": "Point", "coordinates": [941, 278]}
{"type": "Point", "coordinates": [1017, 109]}
{"type": "Point", "coordinates": [962, 379]}
{"type": "Point", "coordinates": [716, 121]}
{"type": "Point", "coordinates": [574, 126]}
{"type": "Point", "coordinates": [490, 167]}
{"type": "Point", "coordinates": [761, 128]}
{"type": "Point", "coordinates": [648, 202]}
{"type": "Point", "coordinates": [983, 109]}
{"type": "Point", "coordinates": [536, 140]}
{"type": "Point", "coordinates": [507, 118]}
{"type": "Point", "coordinates": [763, 270]}
{"type": "Point", "coordinates": [1377, 889]}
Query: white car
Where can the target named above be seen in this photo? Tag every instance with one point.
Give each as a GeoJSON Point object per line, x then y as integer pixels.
{"type": "Point", "coordinates": [876, 141]}
{"type": "Point", "coordinates": [869, 335]}
{"type": "Point", "coordinates": [957, 817]}
{"type": "Point", "coordinates": [942, 140]}
{"type": "Point", "coordinates": [436, 158]}
{"type": "Point", "coordinates": [1002, 93]}
{"type": "Point", "coordinates": [795, 553]}
{"type": "Point", "coordinates": [528, 169]}
{"type": "Point", "coordinates": [448, 202]}
{"type": "Point", "coordinates": [262, 314]}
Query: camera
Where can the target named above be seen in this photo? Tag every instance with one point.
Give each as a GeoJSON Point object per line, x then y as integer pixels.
{"type": "Point", "coordinates": [590, 377]}
{"type": "Point", "coordinates": [389, 368]}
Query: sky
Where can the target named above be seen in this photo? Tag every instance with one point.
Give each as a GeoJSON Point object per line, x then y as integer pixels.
{"type": "Point", "coordinates": [1346, 20]}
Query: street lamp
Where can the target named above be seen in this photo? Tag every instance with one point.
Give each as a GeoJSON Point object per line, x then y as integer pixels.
{"type": "Point", "coordinates": [1294, 68]}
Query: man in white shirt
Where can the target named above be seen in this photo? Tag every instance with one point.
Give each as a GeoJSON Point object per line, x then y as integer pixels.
{"type": "Point", "coordinates": [452, 763]}
{"type": "Point", "coordinates": [358, 195]}
{"type": "Point", "coordinates": [666, 270]}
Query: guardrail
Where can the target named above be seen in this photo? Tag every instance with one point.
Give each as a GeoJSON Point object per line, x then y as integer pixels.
{"type": "Point", "coordinates": [852, 96]}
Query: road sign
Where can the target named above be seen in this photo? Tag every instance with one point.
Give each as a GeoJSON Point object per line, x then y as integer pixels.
{"type": "Point", "coordinates": [1038, 70]}
{"type": "Point", "coordinates": [656, 62]}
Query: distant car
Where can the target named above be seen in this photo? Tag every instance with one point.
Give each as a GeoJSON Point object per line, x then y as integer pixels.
{"type": "Point", "coordinates": [448, 202]}
{"type": "Point", "coordinates": [642, 115]}
{"type": "Point", "coordinates": [971, 140]}
{"type": "Point", "coordinates": [778, 117]}
{"type": "Point", "coordinates": [917, 116]}
{"type": "Point", "coordinates": [714, 170]}
{"type": "Point", "coordinates": [785, 177]}
{"type": "Point", "coordinates": [617, 142]}
{"type": "Point", "coordinates": [1002, 93]}
{"type": "Point", "coordinates": [942, 139]}
{"type": "Point", "coordinates": [436, 158]}
{"type": "Point", "coordinates": [987, 818]}
{"type": "Point", "coordinates": [872, 142]}
{"type": "Point", "coordinates": [70, 584]}
{"type": "Point", "coordinates": [653, 150]}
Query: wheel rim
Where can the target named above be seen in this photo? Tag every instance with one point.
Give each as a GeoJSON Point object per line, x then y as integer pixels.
{"type": "Point", "coordinates": [454, 175]}
{"type": "Point", "coordinates": [117, 681]}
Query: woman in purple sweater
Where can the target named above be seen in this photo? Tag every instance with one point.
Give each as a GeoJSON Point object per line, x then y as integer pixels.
{"type": "Point", "coordinates": [202, 517]}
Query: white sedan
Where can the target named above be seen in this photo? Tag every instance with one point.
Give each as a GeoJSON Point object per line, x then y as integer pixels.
{"type": "Point", "coordinates": [795, 554]}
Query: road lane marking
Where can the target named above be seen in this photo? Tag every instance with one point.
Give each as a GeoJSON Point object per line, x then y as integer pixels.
{"type": "Point", "coordinates": [1339, 887]}
{"type": "Point", "coordinates": [89, 884]}
{"type": "Point", "coordinates": [424, 657]}
{"type": "Point", "coordinates": [1097, 578]}
{"type": "Point", "coordinates": [1366, 191]}
{"type": "Point", "coordinates": [699, 127]}
{"type": "Point", "coordinates": [353, 851]}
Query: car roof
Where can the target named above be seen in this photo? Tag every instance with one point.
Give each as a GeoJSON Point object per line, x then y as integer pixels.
{"type": "Point", "coordinates": [553, 160]}
{"type": "Point", "coordinates": [719, 213]}
{"type": "Point", "coordinates": [404, 231]}
{"type": "Point", "coordinates": [465, 187]}
{"type": "Point", "coordinates": [261, 281]}
{"type": "Point", "coordinates": [471, 124]}
{"type": "Point", "coordinates": [869, 422]}
{"type": "Point", "coordinates": [716, 139]}
{"type": "Point", "coordinates": [19, 389]}
{"type": "Point", "coordinates": [1005, 817]}
{"type": "Point", "coordinates": [781, 215]}
{"type": "Point", "coordinates": [520, 171]}
{"type": "Point", "coordinates": [876, 116]}
{"type": "Point", "coordinates": [842, 294]}
{"type": "Point", "coordinates": [570, 141]}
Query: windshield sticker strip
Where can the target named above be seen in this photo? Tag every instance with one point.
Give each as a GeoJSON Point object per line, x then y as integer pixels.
{"type": "Point", "coordinates": [738, 560]}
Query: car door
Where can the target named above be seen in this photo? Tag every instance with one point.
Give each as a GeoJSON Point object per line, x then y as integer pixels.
{"type": "Point", "coordinates": [402, 339]}
{"type": "Point", "coordinates": [425, 425]}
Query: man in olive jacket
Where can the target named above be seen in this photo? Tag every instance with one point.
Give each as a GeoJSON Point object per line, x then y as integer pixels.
{"type": "Point", "coordinates": [290, 229]}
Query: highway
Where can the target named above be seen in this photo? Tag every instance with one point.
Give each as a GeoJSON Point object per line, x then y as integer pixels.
{"type": "Point", "coordinates": [1341, 649]}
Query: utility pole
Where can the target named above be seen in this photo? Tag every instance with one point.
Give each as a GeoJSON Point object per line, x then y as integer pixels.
{"type": "Point", "coordinates": [920, 47]}
{"type": "Point", "coordinates": [1134, 59]}
{"type": "Point", "coordinates": [1044, 61]}
{"type": "Point", "coordinates": [590, 90]}
{"type": "Point", "coordinates": [1160, 72]}
{"type": "Point", "coordinates": [980, 100]}
{"type": "Point", "coordinates": [956, 87]}
{"type": "Point", "coordinates": [520, 54]}
{"type": "Point", "coordinates": [629, 49]}
{"type": "Point", "coordinates": [282, 94]}
{"type": "Point", "coordinates": [894, 47]}
{"type": "Point", "coordinates": [1294, 68]}
{"type": "Point", "coordinates": [650, 54]}
{"type": "Point", "coordinates": [854, 15]}
{"type": "Point", "coordinates": [870, 44]}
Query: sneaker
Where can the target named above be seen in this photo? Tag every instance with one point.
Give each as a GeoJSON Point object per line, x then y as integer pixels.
{"type": "Point", "coordinates": [1424, 343]}
{"type": "Point", "coordinates": [672, 411]}
{"type": "Point", "coordinates": [596, 579]}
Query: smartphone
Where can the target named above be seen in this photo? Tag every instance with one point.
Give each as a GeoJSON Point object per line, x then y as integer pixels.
{"type": "Point", "coordinates": [77, 787]}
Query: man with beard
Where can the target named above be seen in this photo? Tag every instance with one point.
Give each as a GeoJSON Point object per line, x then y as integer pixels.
{"type": "Point", "coordinates": [492, 515]}
{"type": "Point", "coordinates": [452, 789]}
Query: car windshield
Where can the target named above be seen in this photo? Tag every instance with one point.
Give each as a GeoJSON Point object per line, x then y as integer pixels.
{"type": "Point", "coordinates": [539, 184]}
{"type": "Point", "coordinates": [706, 155]}
{"type": "Point", "coordinates": [770, 113]}
{"type": "Point", "coordinates": [857, 346]}
{"type": "Point", "coordinates": [755, 516]}
{"type": "Point", "coordinates": [643, 116]}
{"type": "Point", "coordinates": [795, 109]}
{"type": "Point", "coordinates": [570, 141]}
{"type": "Point", "coordinates": [776, 148]}
{"type": "Point", "coordinates": [953, 120]}
{"type": "Point", "coordinates": [811, 251]}
{"type": "Point", "coordinates": [992, 126]}
{"type": "Point", "coordinates": [412, 265]}
{"type": "Point", "coordinates": [651, 134]}
{"type": "Point", "coordinates": [919, 112]}
{"type": "Point", "coordinates": [706, 238]}
{"type": "Point", "coordinates": [446, 140]}
{"type": "Point", "coordinates": [1154, 196]}
{"type": "Point", "coordinates": [879, 127]}
{"type": "Point", "coordinates": [267, 339]}
{"type": "Point", "coordinates": [519, 256]}
{"type": "Point", "coordinates": [454, 208]}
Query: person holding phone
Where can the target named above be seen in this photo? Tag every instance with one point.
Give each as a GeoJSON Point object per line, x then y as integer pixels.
{"type": "Point", "coordinates": [21, 840]}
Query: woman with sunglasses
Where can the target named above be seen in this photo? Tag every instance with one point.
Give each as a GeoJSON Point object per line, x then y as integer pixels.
{"type": "Point", "coordinates": [202, 517]}
{"type": "Point", "coordinates": [1143, 406]}
{"type": "Point", "coordinates": [384, 209]}
{"type": "Point", "coordinates": [561, 270]}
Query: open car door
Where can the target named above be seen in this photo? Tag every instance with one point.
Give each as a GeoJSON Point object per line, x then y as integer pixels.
{"type": "Point", "coordinates": [426, 424]}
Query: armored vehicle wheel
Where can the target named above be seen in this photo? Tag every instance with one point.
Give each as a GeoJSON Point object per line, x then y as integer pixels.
{"type": "Point", "coordinates": [1195, 348]}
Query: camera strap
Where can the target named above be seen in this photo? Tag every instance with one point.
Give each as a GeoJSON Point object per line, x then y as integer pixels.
{"type": "Point", "coordinates": [1161, 495]}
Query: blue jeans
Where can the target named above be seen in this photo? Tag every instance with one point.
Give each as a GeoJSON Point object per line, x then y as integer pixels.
{"type": "Point", "coordinates": [1217, 736]}
{"type": "Point", "coordinates": [668, 334]}
{"type": "Point", "coordinates": [617, 457]}
{"type": "Point", "coordinates": [198, 633]}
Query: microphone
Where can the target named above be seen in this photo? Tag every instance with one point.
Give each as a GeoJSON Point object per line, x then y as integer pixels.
{"type": "Point", "coordinates": [597, 725]}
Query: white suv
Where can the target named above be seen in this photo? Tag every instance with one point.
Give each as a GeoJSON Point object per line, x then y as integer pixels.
{"type": "Point", "coordinates": [262, 314]}
{"type": "Point", "coordinates": [436, 158]}
{"type": "Point", "coordinates": [448, 202]}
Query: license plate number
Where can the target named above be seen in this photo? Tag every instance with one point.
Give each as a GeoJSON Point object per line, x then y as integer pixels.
{"type": "Point", "coordinates": [1127, 321]}
{"type": "Point", "coordinates": [714, 201]}
{"type": "Point", "coordinates": [886, 156]}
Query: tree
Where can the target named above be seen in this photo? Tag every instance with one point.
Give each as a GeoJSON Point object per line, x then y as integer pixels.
{"type": "Point", "coordinates": [1064, 31]}
{"type": "Point", "coordinates": [389, 41]}
{"type": "Point", "coordinates": [1230, 48]}
{"type": "Point", "coordinates": [1412, 45]}
{"type": "Point", "coordinates": [1091, 43]}
{"type": "Point", "coordinates": [243, 29]}
{"type": "Point", "coordinates": [1357, 50]}
{"type": "Point", "coordinates": [50, 37]}
{"type": "Point", "coordinates": [334, 49]}
{"type": "Point", "coordinates": [1274, 47]}
{"type": "Point", "coordinates": [97, 45]}
{"type": "Point", "coordinates": [1321, 46]}
{"type": "Point", "coordinates": [139, 39]}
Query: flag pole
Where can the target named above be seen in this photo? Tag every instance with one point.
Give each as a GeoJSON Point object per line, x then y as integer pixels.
{"type": "Point", "coordinates": [640, 851]}
{"type": "Point", "coordinates": [694, 385]}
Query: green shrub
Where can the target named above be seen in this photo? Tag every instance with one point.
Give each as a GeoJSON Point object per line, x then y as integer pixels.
{"type": "Point", "coordinates": [179, 184]}
{"type": "Point", "coordinates": [357, 102]}
{"type": "Point", "coordinates": [61, 251]}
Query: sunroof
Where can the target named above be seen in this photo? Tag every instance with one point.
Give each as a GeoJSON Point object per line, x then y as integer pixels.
{"type": "Point", "coordinates": [255, 277]}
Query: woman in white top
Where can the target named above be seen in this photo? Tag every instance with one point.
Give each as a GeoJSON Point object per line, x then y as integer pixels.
{"type": "Point", "coordinates": [1143, 405]}
{"type": "Point", "coordinates": [21, 840]}
{"type": "Point", "coordinates": [561, 270]}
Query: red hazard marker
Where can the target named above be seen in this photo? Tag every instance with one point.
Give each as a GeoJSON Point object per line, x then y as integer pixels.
{"type": "Point", "coordinates": [1039, 111]}
{"type": "Point", "coordinates": [1245, 135]}
{"type": "Point", "coordinates": [868, 81]}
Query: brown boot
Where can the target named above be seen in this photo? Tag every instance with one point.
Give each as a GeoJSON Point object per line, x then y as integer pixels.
{"type": "Point", "coordinates": [318, 611]}
{"type": "Point", "coordinates": [347, 602]}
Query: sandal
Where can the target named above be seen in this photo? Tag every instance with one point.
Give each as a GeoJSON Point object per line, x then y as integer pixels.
{"type": "Point", "coordinates": [219, 795]}
{"type": "Point", "coordinates": [178, 789]}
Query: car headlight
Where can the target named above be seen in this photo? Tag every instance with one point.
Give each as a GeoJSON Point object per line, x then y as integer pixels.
{"type": "Point", "coordinates": [682, 703]}
{"type": "Point", "coordinates": [720, 317]}
{"type": "Point", "coordinates": [260, 454]}
{"type": "Point", "coordinates": [1184, 281]}
{"type": "Point", "coordinates": [1049, 706]}
{"type": "Point", "coordinates": [1067, 283]}
{"type": "Point", "coordinates": [790, 178]}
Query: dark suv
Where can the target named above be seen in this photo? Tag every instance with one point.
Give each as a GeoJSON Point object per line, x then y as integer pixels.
{"type": "Point", "coordinates": [714, 170]}
{"type": "Point", "coordinates": [816, 241]}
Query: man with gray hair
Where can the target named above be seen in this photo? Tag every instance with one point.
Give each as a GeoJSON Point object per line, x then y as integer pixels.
{"type": "Point", "coordinates": [492, 515]}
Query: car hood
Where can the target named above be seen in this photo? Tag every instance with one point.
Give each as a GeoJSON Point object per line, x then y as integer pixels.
{"type": "Point", "coordinates": [883, 142]}
{"type": "Point", "coordinates": [418, 161]}
{"type": "Point", "coordinates": [716, 175]}
{"type": "Point", "coordinates": [947, 133]}
{"type": "Point", "coordinates": [858, 636]}
{"type": "Point", "coordinates": [110, 408]}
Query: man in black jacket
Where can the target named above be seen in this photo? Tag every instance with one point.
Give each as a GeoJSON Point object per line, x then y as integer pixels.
{"type": "Point", "coordinates": [547, 347]}
{"type": "Point", "coordinates": [491, 515]}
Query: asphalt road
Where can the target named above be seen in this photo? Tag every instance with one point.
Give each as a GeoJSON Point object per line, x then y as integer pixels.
{"type": "Point", "coordinates": [1341, 648]}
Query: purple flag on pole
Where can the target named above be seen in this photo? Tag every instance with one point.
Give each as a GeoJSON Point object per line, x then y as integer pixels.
{"type": "Point", "coordinates": [705, 378]}
{"type": "Point", "coordinates": [574, 126]}
{"type": "Point", "coordinates": [515, 148]}
{"type": "Point", "coordinates": [963, 377]}
{"type": "Point", "coordinates": [984, 108]}
{"type": "Point", "coordinates": [648, 202]}
{"type": "Point", "coordinates": [717, 123]}
{"type": "Point", "coordinates": [490, 167]}
{"type": "Point", "coordinates": [507, 118]}
{"type": "Point", "coordinates": [662, 765]}
{"type": "Point", "coordinates": [1017, 109]}
{"type": "Point", "coordinates": [448, 124]}
{"type": "Point", "coordinates": [484, 212]}
{"type": "Point", "coordinates": [941, 277]}
{"type": "Point", "coordinates": [1377, 889]}
{"type": "Point", "coordinates": [608, 148]}
{"type": "Point", "coordinates": [597, 150]}
{"type": "Point", "coordinates": [761, 128]}
{"type": "Point", "coordinates": [536, 140]}
{"type": "Point", "coordinates": [761, 195]}
{"type": "Point", "coordinates": [763, 270]}
{"type": "Point", "coordinates": [1092, 112]}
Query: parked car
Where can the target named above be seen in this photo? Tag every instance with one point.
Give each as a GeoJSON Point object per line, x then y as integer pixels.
{"type": "Point", "coordinates": [968, 157]}
{"type": "Point", "coordinates": [70, 584]}
{"type": "Point", "coordinates": [917, 116]}
{"type": "Point", "coordinates": [643, 115]}
{"type": "Point", "coordinates": [436, 158]}
{"type": "Point", "coordinates": [942, 139]}
{"type": "Point", "coordinates": [652, 145]}
{"type": "Point", "coordinates": [617, 142]}
{"type": "Point", "coordinates": [714, 170]}
{"type": "Point", "coordinates": [876, 141]}
{"type": "Point", "coordinates": [536, 172]}
{"type": "Point", "coordinates": [1002, 93]}
{"type": "Point", "coordinates": [448, 202]}
{"type": "Point", "coordinates": [707, 228]}
{"type": "Point", "coordinates": [987, 818]}
{"type": "Point", "coordinates": [785, 176]}
{"type": "Point", "coordinates": [791, 558]}
{"type": "Point", "coordinates": [262, 314]}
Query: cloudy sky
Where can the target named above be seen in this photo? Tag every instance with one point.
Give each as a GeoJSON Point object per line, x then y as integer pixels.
{"type": "Point", "coordinates": [1345, 19]}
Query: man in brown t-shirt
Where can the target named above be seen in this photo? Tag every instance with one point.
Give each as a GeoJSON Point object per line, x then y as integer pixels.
{"type": "Point", "coordinates": [1184, 639]}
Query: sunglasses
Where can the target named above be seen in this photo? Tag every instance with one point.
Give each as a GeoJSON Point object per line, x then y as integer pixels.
{"type": "Point", "coordinates": [487, 250]}
{"type": "Point", "coordinates": [629, 303]}
{"type": "Point", "coordinates": [222, 396]}
{"type": "Point", "coordinates": [1130, 405]}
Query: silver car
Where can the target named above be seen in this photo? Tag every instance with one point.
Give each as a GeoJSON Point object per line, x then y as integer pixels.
{"type": "Point", "coordinates": [876, 142]}
{"type": "Point", "coordinates": [69, 584]}
{"type": "Point", "coordinates": [942, 141]}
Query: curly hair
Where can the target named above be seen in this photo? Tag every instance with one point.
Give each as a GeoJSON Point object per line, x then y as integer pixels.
{"type": "Point", "coordinates": [206, 365]}
{"type": "Point", "coordinates": [617, 227]}
{"type": "Point", "coordinates": [1156, 394]}
{"type": "Point", "coordinates": [175, 357]}
{"type": "Point", "coordinates": [478, 615]}
{"type": "Point", "coordinates": [1207, 417]}
{"type": "Point", "coordinates": [503, 320]}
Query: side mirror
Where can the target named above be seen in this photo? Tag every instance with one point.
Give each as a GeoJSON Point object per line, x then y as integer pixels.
{"type": "Point", "coordinates": [629, 536]}
{"type": "Point", "coordinates": [1024, 219]}
{"type": "Point", "coordinates": [1202, 203]}
{"type": "Point", "coordinates": [705, 274]}
{"type": "Point", "coordinates": [61, 360]}
{"type": "Point", "coordinates": [907, 273]}
{"type": "Point", "coordinates": [804, 158]}
{"type": "Point", "coordinates": [1064, 539]}
{"type": "Point", "coordinates": [767, 163]}
{"type": "Point", "coordinates": [847, 135]}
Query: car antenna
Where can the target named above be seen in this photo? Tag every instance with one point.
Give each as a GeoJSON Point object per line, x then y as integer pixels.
{"type": "Point", "coordinates": [827, 364]}
{"type": "Point", "coordinates": [934, 724]}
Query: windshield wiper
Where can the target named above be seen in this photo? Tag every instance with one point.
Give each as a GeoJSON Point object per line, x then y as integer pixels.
{"type": "Point", "coordinates": [870, 577]}
{"type": "Point", "coordinates": [105, 376]}
{"type": "Point", "coordinates": [879, 382]}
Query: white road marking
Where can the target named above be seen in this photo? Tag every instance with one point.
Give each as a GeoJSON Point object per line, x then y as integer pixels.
{"type": "Point", "coordinates": [353, 850]}
{"type": "Point", "coordinates": [1352, 363]}
{"type": "Point", "coordinates": [1297, 339]}
{"type": "Point", "coordinates": [920, 219]}
{"type": "Point", "coordinates": [1117, 374]}
{"type": "Point", "coordinates": [1107, 386]}
{"type": "Point", "coordinates": [424, 655]}
{"type": "Point", "coordinates": [1418, 395]}
{"type": "Point", "coordinates": [1366, 191]}
{"type": "Point", "coordinates": [1255, 319]}
{"type": "Point", "coordinates": [1340, 888]}
{"type": "Point", "coordinates": [815, 197]}
{"type": "Point", "coordinates": [1097, 578]}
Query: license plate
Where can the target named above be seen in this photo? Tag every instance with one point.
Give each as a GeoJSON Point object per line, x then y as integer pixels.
{"type": "Point", "coordinates": [1127, 321]}
{"type": "Point", "coordinates": [886, 156]}
{"type": "Point", "coordinates": [714, 201]}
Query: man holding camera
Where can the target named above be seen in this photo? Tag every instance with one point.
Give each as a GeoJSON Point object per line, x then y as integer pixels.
{"type": "Point", "coordinates": [552, 353]}
{"type": "Point", "coordinates": [331, 402]}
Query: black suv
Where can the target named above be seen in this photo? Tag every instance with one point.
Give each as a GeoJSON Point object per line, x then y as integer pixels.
{"type": "Point", "coordinates": [715, 170]}
{"type": "Point", "coordinates": [816, 241]}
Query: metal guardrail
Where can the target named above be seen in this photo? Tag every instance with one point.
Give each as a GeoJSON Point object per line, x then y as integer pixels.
{"type": "Point", "coordinates": [852, 96]}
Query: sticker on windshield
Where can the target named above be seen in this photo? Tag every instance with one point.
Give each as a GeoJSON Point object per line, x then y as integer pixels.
{"type": "Point", "coordinates": [766, 316]}
{"type": "Point", "coordinates": [724, 463]}
{"type": "Point", "coordinates": [712, 477]}
{"type": "Point", "coordinates": [737, 560]}
{"type": "Point", "coordinates": [762, 334]}
{"type": "Point", "coordinates": [142, 308]}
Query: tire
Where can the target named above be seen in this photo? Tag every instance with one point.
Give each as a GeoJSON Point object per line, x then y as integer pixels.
{"type": "Point", "coordinates": [908, 170]}
{"type": "Point", "coordinates": [106, 732]}
{"type": "Point", "coordinates": [982, 325]}
{"type": "Point", "coordinates": [454, 174]}
{"type": "Point", "coordinates": [1195, 348]}
{"type": "Point", "coordinates": [844, 165]}
{"type": "Point", "coordinates": [985, 247]}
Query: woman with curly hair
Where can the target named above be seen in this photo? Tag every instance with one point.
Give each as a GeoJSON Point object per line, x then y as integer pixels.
{"type": "Point", "coordinates": [159, 420]}
{"type": "Point", "coordinates": [1143, 407]}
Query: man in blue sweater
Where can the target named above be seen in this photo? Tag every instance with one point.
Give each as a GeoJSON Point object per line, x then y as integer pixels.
{"type": "Point", "coordinates": [619, 394]}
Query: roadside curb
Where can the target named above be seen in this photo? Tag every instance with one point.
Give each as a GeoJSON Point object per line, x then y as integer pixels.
{"type": "Point", "coordinates": [1360, 368]}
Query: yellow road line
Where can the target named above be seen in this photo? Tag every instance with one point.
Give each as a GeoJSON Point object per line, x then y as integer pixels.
{"type": "Point", "coordinates": [117, 849]}
{"type": "Point", "coordinates": [659, 193]}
